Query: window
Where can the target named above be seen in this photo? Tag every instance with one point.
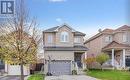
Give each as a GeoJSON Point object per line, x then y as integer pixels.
{"type": "Point", "coordinates": [124, 38]}
{"type": "Point", "coordinates": [77, 40]}
{"type": "Point", "coordinates": [108, 38]}
{"type": "Point", "coordinates": [50, 38]}
{"type": "Point", "coordinates": [64, 37]}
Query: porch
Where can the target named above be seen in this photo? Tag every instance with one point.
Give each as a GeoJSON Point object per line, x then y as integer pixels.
{"type": "Point", "coordinates": [117, 53]}
{"type": "Point", "coordinates": [79, 58]}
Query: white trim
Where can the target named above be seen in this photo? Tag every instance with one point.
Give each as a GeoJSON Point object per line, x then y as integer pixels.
{"type": "Point", "coordinates": [123, 56]}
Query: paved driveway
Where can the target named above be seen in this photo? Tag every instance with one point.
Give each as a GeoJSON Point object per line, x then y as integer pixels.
{"type": "Point", "coordinates": [10, 78]}
{"type": "Point", "coordinates": [70, 77]}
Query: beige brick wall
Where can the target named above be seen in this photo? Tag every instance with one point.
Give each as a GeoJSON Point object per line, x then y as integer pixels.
{"type": "Point", "coordinates": [60, 55]}
{"type": "Point", "coordinates": [94, 46]}
{"type": "Point", "coordinates": [56, 38]}
{"type": "Point", "coordinates": [46, 39]}
{"type": "Point", "coordinates": [71, 39]}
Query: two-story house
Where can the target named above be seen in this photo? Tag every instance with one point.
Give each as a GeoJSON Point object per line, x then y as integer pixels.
{"type": "Point", "coordinates": [115, 43]}
{"type": "Point", "coordinates": [63, 46]}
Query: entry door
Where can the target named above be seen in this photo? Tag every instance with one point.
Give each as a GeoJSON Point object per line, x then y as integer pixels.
{"type": "Point", "coordinates": [128, 61]}
{"type": "Point", "coordinates": [78, 59]}
{"type": "Point", "coordinates": [60, 67]}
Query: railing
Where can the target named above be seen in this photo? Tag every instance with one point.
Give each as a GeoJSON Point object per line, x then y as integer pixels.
{"type": "Point", "coordinates": [75, 66]}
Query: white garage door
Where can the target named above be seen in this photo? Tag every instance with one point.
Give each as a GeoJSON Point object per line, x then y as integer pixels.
{"type": "Point", "coordinates": [15, 70]}
{"type": "Point", "coordinates": [60, 67]}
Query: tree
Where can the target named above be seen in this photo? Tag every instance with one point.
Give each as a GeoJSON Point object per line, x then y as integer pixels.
{"type": "Point", "coordinates": [19, 39]}
{"type": "Point", "coordinates": [90, 61]}
{"type": "Point", "coordinates": [101, 58]}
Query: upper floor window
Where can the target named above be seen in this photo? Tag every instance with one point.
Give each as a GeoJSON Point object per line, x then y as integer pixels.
{"type": "Point", "coordinates": [64, 37]}
{"type": "Point", "coordinates": [50, 38]}
{"type": "Point", "coordinates": [108, 38]}
{"type": "Point", "coordinates": [124, 37]}
{"type": "Point", "coordinates": [77, 40]}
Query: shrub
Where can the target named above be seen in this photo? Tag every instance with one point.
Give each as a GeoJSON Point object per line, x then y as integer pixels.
{"type": "Point", "coordinates": [101, 58]}
{"type": "Point", "coordinates": [74, 72]}
{"type": "Point", "coordinates": [90, 61]}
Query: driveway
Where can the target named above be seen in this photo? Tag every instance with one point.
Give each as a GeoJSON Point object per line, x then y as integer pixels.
{"type": "Point", "coordinates": [10, 78]}
{"type": "Point", "coordinates": [70, 77]}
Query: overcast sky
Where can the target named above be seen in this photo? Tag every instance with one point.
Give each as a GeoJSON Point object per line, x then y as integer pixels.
{"type": "Point", "coordinates": [83, 15]}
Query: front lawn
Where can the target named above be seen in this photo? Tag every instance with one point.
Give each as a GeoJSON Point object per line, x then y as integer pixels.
{"type": "Point", "coordinates": [36, 77]}
{"type": "Point", "coordinates": [109, 74]}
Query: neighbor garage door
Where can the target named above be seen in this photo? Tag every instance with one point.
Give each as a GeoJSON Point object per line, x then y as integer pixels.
{"type": "Point", "coordinates": [60, 67]}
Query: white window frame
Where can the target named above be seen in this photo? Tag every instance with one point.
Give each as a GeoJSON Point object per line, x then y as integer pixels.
{"type": "Point", "coordinates": [124, 37]}
{"type": "Point", "coordinates": [108, 38]}
{"type": "Point", "coordinates": [64, 37]}
{"type": "Point", "coordinates": [77, 40]}
{"type": "Point", "coordinates": [50, 39]}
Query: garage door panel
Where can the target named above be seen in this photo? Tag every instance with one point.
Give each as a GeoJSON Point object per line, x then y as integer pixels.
{"type": "Point", "coordinates": [60, 68]}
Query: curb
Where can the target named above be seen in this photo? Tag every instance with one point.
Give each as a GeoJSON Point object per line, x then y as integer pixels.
{"type": "Point", "coordinates": [27, 77]}
{"type": "Point", "coordinates": [2, 77]}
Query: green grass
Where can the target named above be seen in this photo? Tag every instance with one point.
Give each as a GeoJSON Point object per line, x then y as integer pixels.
{"type": "Point", "coordinates": [109, 74]}
{"type": "Point", "coordinates": [36, 77]}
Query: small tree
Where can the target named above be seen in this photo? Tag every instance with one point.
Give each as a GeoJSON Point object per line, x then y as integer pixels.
{"type": "Point", "coordinates": [90, 61]}
{"type": "Point", "coordinates": [101, 58]}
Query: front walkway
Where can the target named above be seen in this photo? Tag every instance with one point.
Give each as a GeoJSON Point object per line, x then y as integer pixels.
{"type": "Point", "coordinates": [10, 78]}
{"type": "Point", "coordinates": [70, 77]}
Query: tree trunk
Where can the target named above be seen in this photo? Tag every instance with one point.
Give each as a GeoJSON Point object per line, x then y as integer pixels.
{"type": "Point", "coordinates": [22, 73]}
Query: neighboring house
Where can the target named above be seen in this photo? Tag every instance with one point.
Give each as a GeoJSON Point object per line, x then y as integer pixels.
{"type": "Point", "coordinates": [115, 43]}
{"type": "Point", "coordinates": [63, 47]}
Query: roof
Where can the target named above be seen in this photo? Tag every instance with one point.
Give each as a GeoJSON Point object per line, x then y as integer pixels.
{"type": "Point", "coordinates": [75, 48]}
{"type": "Point", "coordinates": [51, 29]}
{"type": "Point", "coordinates": [55, 29]}
{"type": "Point", "coordinates": [77, 33]}
{"type": "Point", "coordinates": [108, 31]}
{"type": "Point", "coordinates": [124, 27]}
{"type": "Point", "coordinates": [115, 45]}
{"type": "Point", "coordinates": [92, 38]}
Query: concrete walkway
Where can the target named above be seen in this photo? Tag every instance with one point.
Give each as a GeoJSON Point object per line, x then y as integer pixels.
{"type": "Point", "coordinates": [10, 78]}
{"type": "Point", "coordinates": [70, 77]}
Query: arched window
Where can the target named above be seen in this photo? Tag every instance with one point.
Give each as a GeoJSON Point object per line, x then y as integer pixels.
{"type": "Point", "coordinates": [64, 37]}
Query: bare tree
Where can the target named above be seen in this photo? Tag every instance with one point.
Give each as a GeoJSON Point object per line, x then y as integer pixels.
{"type": "Point", "coordinates": [19, 38]}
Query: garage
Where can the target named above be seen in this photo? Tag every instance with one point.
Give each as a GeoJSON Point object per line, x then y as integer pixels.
{"type": "Point", "coordinates": [15, 70]}
{"type": "Point", "coordinates": [128, 61]}
{"type": "Point", "coordinates": [59, 67]}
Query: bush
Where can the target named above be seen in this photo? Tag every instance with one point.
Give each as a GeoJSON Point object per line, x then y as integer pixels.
{"type": "Point", "coordinates": [74, 72]}
{"type": "Point", "coordinates": [90, 61]}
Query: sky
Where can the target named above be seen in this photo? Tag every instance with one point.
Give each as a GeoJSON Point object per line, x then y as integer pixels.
{"type": "Point", "coordinates": [87, 16]}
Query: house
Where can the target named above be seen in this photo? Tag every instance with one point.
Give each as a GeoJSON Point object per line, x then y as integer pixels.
{"type": "Point", "coordinates": [115, 43]}
{"type": "Point", "coordinates": [63, 47]}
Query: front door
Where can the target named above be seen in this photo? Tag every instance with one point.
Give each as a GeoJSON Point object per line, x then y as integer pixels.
{"type": "Point", "coordinates": [128, 61]}
{"type": "Point", "coordinates": [77, 58]}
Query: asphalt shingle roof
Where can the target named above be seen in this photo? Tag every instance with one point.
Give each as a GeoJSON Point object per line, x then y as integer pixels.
{"type": "Point", "coordinates": [75, 48]}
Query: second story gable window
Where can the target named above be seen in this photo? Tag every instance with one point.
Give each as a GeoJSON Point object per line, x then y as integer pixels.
{"type": "Point", "coordinates": [124, 37]}
{"type": "Point", "coordinates": [108, 38]}
{"type": "Point", "coordinates": [64, 37]}
{"type": "Point", "coordinates": [50, 39]}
